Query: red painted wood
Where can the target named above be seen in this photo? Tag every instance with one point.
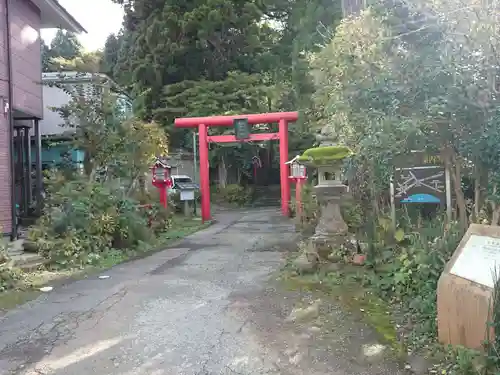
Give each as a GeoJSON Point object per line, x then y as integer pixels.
{"type": "Point", "coordinates": [283, 118]}
{"type": "Point", "coordinates": [253, 137]}
{"type": "Point", "coordinates": [162, 189]}
{"type": "Point", "coordinates": [284, 180]}
{"type": "Point", "coordinates": [204, 173]}
{"type": "Point", "coordinates": [259, 118]}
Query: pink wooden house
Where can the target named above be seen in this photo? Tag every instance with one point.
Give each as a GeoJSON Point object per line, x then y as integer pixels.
{"type": "Point", "coordinates": [21, 104]}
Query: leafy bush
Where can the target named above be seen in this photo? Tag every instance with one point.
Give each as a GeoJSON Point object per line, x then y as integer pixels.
{"type": "Point", "coordinates": [84, 219]}
{"type": "Point", "coordinates": [3, 254]}
{"type": "Point", "coordinates": [10, 278]}
{"type": "Point", "coordinates": [352, 214]}
{"type": "Point", "coordinates": [234, 194]}
{"type": "Point", "coordinates": [408, 272]}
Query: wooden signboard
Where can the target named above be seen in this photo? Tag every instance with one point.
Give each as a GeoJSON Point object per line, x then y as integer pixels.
{"type": "Point", "coordinates": [419, 178]}
{"type": "Point", "coordinates": [420, 184]}
{"type": "Point", "coordinates": [465, 288]}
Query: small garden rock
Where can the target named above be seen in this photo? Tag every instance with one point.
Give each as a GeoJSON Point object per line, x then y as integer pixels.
{"type": "Point", "coordinates": [418, 365]}
{"type": "Point", "coordinates": [306, 313]}
{"type": "Point", "coordinates": [306, 263]}
{"type": "Point", "coordinates": [335, 258]}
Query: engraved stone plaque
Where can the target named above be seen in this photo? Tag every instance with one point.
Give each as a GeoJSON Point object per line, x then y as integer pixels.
{"type": "Point", "coordinates": [479, 260]}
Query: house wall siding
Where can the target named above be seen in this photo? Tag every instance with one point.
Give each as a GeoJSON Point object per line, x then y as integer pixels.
{"type": "Point", "coordinates": [56, 97]}
{"type": "Point", "coordinates": [27, 95]}
{"type": "Point", "coordinates": [52, 121]}
{"type": "Point", "coordinates": [26, 57]}
{"type": "Point", "coordinates": [5, 175]}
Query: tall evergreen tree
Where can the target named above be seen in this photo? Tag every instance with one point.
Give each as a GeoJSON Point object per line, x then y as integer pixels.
{"type": "Point", "coordinates": [169, 45]}
{"type": "Point", "coordinates": [110, 56]}
{"type": "Point", "coordinates": [65, 45]}
{"type": "Point", "coordinates": [168, 42]}
{"type": "Point", "coordinates": [45, 51]}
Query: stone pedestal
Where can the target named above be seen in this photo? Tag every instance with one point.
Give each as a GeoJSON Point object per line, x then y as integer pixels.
{"type": "Point", "coordinates": [331, 231]}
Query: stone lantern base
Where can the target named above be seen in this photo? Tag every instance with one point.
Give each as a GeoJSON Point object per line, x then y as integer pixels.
{"type": "Point", "coordinates": [331, 232]}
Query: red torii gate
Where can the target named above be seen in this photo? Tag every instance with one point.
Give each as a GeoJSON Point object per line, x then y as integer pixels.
{"type": "Point", "coordinates": [203, 123]}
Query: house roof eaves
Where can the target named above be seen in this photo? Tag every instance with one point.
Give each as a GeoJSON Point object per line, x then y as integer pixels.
{"type": "Point", "coordinates": [77, 26]}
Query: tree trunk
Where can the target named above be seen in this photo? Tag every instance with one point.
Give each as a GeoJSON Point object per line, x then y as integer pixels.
{"type": "Point", "coordinates": [130, 188]}
{"type": "Point", "coordinates": [374, 198]}
{"type": "Point", "coordinates": [495, 208]}
{"type": "Point", "coordinates": [87, 164]}
{"type": "Point", "coordinates": [222, 170]}
{"type": "Point", "coordinates": [238, 176]}
{"type": "Point", "coordinates": [457, 182]}
{"type": "Point", "coordinates": [142, 184]}
{"type": "Point", "coordinates": [455, 168]}
{"type": "Point", "coordinates": [479, 180]}
{"type": "Point", "coordinates": [495, 215]}
{"type": "Point", "coordinates": [477, 194]}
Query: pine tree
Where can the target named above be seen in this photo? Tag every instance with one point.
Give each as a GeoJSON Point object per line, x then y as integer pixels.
{"type": "Point", "coordinates": [65, 45]}
{"type": "Point", "coordinates": [110, 56]}
{"type": "Point", "coordinates": [171, 45]}
{"type": "Point", "coordinates": [45, 51]}
{"type": "Point", "coordinates": [167, 42]}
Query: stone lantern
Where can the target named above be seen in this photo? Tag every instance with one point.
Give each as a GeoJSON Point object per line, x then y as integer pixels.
{"type": "Point", "coordinates": [331, 230]}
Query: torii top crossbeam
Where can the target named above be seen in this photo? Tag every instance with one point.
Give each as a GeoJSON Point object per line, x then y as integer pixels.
{"type": "Point", "coordinates": [259, 118]}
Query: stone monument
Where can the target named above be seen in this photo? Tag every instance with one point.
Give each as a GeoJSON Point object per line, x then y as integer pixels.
{"type": "Point", "coordinates": [465, 288]}
{"type": "Point", "coordinates": [331, 230]}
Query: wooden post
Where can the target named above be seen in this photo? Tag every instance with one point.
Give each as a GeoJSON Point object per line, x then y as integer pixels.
{"type": "Point", "coordinates": [298, 197]}
{"type": "Point", "coordinates": [393, 205]}
{"type": "Point", "coordinates": [284, 180]}
{"type": "Point", "coordinates": [204, 173]}
{"type": "Point", "coordinates": [448, 193]}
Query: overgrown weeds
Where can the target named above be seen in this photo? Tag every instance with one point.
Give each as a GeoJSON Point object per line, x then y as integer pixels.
{"type": "Point", "coordinates": [9, 277]}
{"type": "Point", "coordinates": [407, 273]}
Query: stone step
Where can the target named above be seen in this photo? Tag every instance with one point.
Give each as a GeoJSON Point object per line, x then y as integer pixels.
{"type": "Point", "coordinates": [27, 262]}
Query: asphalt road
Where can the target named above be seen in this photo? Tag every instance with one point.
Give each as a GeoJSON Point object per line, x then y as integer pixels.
{"type": "Point", "coordinates": [206, 306]}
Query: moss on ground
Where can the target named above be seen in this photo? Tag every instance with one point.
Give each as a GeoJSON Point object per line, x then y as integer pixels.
{"type": "Point", "coordinates": [344, 286]}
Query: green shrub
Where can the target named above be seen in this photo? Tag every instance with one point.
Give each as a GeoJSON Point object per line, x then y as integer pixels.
{"type": "Point", "coordinates": [10, 278]}
{"type": "Point", "coordinates": [352, 213]}
{"type": "Point", "coordinates": [234, 194]}
{"type": "Point", "coordinates": [82, 220]}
